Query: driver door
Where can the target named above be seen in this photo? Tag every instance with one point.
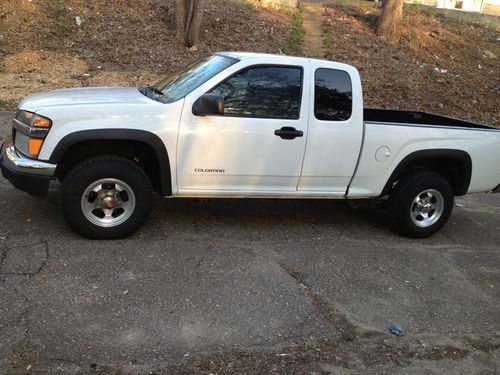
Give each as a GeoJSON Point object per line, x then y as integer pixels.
{"type": "Point", "coordinates": [257, 146]}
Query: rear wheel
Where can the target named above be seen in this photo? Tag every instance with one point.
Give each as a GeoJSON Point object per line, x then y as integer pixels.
{"type": "Point", "coordinates": [106, 197]}
{"type": "Point", "coordinates": [420, 204]}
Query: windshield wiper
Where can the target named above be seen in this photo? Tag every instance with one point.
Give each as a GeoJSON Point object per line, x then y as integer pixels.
{"type": "Point", "coordinates": [151, 92]}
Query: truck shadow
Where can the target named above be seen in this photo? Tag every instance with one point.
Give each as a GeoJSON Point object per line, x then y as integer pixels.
{"type": "Point", "coordinates": [237, 219]}
{"type": "Point", "coordinates": [266, 219]}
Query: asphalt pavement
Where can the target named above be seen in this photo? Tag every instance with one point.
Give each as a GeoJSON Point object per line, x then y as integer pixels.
{"type": "Point", "coordinates": [248, 286]}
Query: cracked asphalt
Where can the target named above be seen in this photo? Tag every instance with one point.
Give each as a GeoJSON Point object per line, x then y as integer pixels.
{"type": "Point", "coordinates": [248, 286]}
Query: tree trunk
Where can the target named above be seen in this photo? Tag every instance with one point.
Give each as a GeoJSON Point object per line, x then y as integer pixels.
{"type": "Point", "coordinates": [180, 19]}
{"type": "Point", "coordinates": [389, 22]}
{"type": "Point", "coordinates": [188, 17]}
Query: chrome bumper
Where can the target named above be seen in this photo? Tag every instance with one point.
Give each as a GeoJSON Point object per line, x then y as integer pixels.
{"type": "Point", "coordinates": [18, 163]}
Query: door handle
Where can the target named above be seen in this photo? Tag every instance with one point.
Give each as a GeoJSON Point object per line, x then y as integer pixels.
{"type": "Point", "coordinates": [287, 132]}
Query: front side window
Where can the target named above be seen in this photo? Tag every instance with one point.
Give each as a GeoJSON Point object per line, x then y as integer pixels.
{"type": "Point", "coordinates": [332, 95]}
{"type": "Point", "coordinates": [263, 92]}
{"type": "Point", "coordinates": [180, 84]}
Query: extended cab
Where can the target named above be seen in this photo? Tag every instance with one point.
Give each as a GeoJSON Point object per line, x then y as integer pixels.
{"type": "Point", "coordinates": [235, 125]}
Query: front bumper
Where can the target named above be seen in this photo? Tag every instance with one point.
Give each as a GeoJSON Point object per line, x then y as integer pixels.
{"type": "Point", "coordinates": [497, 189]}
{"type": "Point", "coordinates": [29, 175]}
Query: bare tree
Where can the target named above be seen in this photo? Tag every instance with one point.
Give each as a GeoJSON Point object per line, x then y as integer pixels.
{"type": "Point", "coordinates": [389, 22]}
{"type": "Point", "coordinates": [188, 17]}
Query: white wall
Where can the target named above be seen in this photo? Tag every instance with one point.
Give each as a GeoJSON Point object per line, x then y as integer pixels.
{"type": "Point", "coordinates": [467, 5]}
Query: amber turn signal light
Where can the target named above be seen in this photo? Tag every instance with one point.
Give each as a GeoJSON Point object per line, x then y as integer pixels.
{"type": "Point", "coordinates": [41, 122]}
{"type": "Point", "coordinates": [35, 145]}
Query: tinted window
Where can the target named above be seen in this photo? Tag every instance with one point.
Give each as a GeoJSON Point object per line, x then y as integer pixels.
{"type": "Point", "coordinates": [264, 91]}
{"type": "Point", "coordinates": [180, 84]}
{"type": "Point", "coordinates": [332, 95]}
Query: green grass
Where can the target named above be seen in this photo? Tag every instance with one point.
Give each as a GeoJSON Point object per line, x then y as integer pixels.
{"type": "Point", "coordinates": [293, 45]}
{"type": "Point", "coordinates": [375, 84]}
{"type": "Point", "coordinates": [328, 40]}
{"type": "Point", "coordinates": [250, 6]}
{"type": "Point", "coordinates": [368, 4]}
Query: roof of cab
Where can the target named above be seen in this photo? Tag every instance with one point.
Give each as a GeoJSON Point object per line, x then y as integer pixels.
{"type": "Point", "coordinates": [247, 55]}
{"type": "Point", "coordinates": [285, 59]}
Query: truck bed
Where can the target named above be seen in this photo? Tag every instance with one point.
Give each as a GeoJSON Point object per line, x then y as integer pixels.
{"type": "Point", "coordinates": [418, 118]}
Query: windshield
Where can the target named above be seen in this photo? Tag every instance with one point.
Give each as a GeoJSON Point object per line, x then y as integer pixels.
{"type": "Point", "coordinates": [180, 84]}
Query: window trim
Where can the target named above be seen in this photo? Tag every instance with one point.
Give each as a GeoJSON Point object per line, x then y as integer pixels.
{"type": "Point", "coordinates": [314, 95]}
{"type": "Point", "coordinates": [300, 67]}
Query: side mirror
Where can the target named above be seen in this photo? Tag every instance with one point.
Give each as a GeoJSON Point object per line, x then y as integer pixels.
{"type": "Point", "coordinates": [209, 104]}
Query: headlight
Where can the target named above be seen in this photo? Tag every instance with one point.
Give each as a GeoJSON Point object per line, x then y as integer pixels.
{"type": "Point", "coordinates": [29, 132]}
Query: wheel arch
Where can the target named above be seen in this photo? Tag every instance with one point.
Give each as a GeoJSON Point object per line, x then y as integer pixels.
{"type": "Point", "coordinates": [124, 142]}
{"type": "Point", "coordinates": [454, 165]}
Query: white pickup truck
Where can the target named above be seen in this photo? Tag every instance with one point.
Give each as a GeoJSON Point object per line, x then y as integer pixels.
{"type": "Point", "coordinates": [243, 125]}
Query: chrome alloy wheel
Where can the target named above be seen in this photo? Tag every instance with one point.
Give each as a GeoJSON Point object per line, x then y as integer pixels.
{"type": "Point", "coordinates": [427, 208]}
{"type": "Point", "coordinates": [108, 202]}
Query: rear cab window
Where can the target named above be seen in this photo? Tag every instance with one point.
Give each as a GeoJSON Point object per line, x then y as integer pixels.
{"type": "Point", "coordinates": [332, 95]}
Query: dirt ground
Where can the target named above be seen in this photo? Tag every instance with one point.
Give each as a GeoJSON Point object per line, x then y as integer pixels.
{"type": "Point", "coordinates": [133, 43]}
{"type": "Point", "coordinates": [443, 64]}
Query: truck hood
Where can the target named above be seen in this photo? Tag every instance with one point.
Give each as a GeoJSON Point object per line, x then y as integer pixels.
{"type": "Point", "coordinates": [84, 96]}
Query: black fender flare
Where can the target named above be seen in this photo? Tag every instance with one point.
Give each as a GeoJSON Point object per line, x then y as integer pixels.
{"type": "Point", "coordinates": [144, 136]}
{"type": "Point", "coordinates": [460, 155]}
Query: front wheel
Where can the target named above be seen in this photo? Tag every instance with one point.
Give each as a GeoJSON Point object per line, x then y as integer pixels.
{"type": "Point", "coordinates": [420, 204]}
{"type": "Point", "coordinates": [106, 197]}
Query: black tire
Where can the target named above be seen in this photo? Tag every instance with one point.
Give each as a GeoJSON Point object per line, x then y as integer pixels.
{"type": "Point", "coordinates": [401, 204]}
{"type": "Point", "coordinates": [114, 168]}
